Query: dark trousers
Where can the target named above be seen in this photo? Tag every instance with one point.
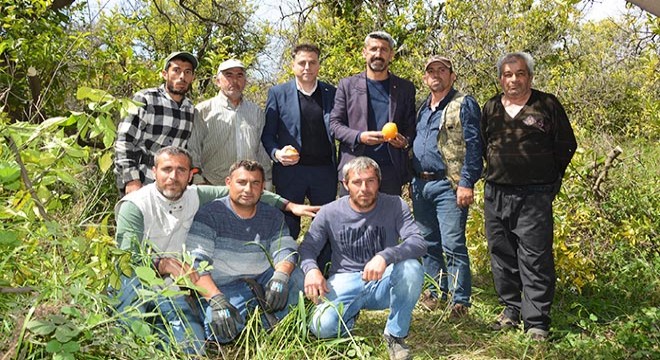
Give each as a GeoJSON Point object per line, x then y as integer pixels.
{"type": "Point", "coordinates": [519, 225]}
{"type": "Point", "coordinates": [316, 183]}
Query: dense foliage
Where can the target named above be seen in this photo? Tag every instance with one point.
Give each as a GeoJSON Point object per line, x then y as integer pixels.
{"type": "Point", "coordinates": [65, 80]}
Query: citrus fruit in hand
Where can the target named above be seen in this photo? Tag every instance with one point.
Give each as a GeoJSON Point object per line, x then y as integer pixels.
{"type": "Point", "coordinates": [389, 131]}
{"type": "Point", "coordinates": [291, 151]}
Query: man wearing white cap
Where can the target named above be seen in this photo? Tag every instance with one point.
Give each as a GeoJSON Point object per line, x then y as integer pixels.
{"type": "Point", "coordinates": [164, 119]}
{"type": "Point", "coordinates": [228, 128]}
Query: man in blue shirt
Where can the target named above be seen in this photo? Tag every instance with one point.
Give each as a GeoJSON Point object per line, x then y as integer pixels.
{"type": "Point", "coordinates": [447, 163]}
{"type": "Point", "coordinates": [364, 103]}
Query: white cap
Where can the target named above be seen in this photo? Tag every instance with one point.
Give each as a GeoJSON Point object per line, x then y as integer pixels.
{"type": "Point", "coordinates": [231, 63]}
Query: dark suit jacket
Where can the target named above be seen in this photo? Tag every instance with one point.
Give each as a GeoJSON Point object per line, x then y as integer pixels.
{"type": "Point", "coordinates": [283, 118]}
{"type": "Point", "coordinates": [350, 114]}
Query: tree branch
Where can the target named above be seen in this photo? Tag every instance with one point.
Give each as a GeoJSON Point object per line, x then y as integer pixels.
{"type": "Point", "coordinates": [613, 154]}
{"type": "Point", "coordinates": [26, 178]}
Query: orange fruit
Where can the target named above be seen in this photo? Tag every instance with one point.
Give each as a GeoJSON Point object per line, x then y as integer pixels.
{"type": "Point", "coordinates": [389, 131]}
{"type": "Point", "coordinates": [291, 151]}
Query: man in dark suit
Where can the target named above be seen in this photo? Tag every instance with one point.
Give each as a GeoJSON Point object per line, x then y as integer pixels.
{"type": "Point", "coordinates": [365, 103]}
{"type": "Point", "coordinates": [297, 136]}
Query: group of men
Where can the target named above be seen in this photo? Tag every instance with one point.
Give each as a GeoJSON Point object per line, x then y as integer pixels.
{"type": "Point", "coordinates": [363, 250]}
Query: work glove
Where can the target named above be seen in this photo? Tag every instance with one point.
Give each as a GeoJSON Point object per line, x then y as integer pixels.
{"type": "Point", "coordinates": [277, 291]}
{"type": "Point", "coordinates": [225, 318]}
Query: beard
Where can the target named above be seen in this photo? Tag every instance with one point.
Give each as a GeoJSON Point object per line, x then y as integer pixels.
{"type": "Point", "coordinates": [170, 192]}
{"type": "Point", "coordinates": [172, 90]}
{"type": "Point", "coordinates": [378, 64]}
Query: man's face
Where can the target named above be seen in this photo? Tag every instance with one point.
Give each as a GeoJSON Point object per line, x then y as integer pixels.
{"type": "Point", "coordinates": [306, 66]}
{"type": "Point", "coordinates": [245, 187]}
{"type": "Point", "coordinates": [438, 77]}
{"type": "Point", "coordinates": [362, 189]}
{"type": "Point", "coordinates": [178, 77]}
{"type": "Point", "coordinates": [172, 174]}
{"type": "Point", "coordinates": [378, 54]}
{"type": "Point", "coordinates": [515, 80]}
{"type": "Point", "coordinates": [232, 83]}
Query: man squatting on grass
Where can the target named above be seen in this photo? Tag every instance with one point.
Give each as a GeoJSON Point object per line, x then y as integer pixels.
{"type": "Point", "coordinates": [371, 269]}
{"type": "Point", "coordinates": [154, 221]}
{"type": "Point", "coordinates": [241, 238]}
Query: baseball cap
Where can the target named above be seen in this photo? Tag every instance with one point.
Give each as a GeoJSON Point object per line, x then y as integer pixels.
{"type": "Point", "coordinates": [231, 63]}
{"type": "Point", "coordinates": [181, 55]}
{"type": "Point", "coordinates": [441, 59]}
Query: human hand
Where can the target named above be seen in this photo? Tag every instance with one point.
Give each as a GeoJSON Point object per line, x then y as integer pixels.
{"type": "Point", "coordinates": [302, 210]}
{"type": "Point", "coordinates": [374, 269]}
{"type": "Point", "coordinates": [277, 291]}
{"type": "Point", "coordinates": [287, 155]}
{"type": "Point", "coordinates": [132, 186]}
{"type": "Point", "coordinates": [372, 137]}
{"type": "Point", "coordinates": [399, 141]}
{"type": "Point", "coordinates": [225, 318]}
{"type": "Point", "coordinates": [315, 286]}
{"type": "Point", "coordinates": [175, 268]}
{"type": "Point", "coordinates": [464, 197]}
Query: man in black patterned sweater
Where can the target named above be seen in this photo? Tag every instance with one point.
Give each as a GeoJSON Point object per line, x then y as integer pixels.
{"type": "Point", "coordinates": [528, 144]}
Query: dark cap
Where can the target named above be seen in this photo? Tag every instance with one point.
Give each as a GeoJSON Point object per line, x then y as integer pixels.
{"type": "Point", "coordinates": [441, 59]}
{"type": "Point", "coordinates": [181, 55]}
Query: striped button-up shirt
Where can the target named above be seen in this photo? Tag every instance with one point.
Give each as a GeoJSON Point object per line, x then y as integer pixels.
{"type": "Point", "coordinates": [223, 134]}
{"type": "Point", "coordinates": [160, 122]}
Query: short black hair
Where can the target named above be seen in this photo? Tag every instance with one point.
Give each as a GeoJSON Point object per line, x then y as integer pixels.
{"type": "Point", "coordinates": [305, 47]}
{"type": "Point", "coordinates": [249, 165]}
{"type": "Point", "coordinates": [172, 151]}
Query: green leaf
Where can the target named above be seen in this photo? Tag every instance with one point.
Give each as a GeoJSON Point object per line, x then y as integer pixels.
{"type": "Point", "coordinates": [66, 177]}
{"type": "Point", "coordinates": [72, 311]}
{"type": "Point", "coordinates": [9, 239]}
{"type": "Point", "coordinates": [129, 107]}
{"type": "Point", "coordinates": [63, 356]}
{"type": "Point", "coordinates": [53, 346]}
{"type": "Point", "coordinates": [148, 275]}
{"type": "Point", "coordinates": [105, 161]}
{"type": "Point", "coordinates": [94, 319]}
{"type": "Point", "coordinates": [141, 329]}
{"type": "Point", "coordinates": [71, 347]}
{"type": "Point", "coordinates": [9, 172]}
{"type": "Point", "coordinates": [95, 95]}
{"type": "Point", "coordinates": [40, 327]}
{"type": "Point", "coordinates": [65, 333]}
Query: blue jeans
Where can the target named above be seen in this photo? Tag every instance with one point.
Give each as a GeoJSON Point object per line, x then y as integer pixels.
{"type": "Point", "coordinates": [442, 224]}
{"type": "Point", "coordinates": [398, 290]}
{"type": "Point", "coordinates": [178, 317]}
{"type": "Point", "coordinates": [241, 296]}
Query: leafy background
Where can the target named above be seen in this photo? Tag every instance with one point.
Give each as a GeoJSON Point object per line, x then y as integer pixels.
{"type": "Point", "coordinates": [67, 74]}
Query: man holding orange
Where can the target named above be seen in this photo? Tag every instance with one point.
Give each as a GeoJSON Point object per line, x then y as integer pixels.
{"type": "Point", "coordinates": [297, 135]}
{"type": "Point", "coordinates": [368, 101]}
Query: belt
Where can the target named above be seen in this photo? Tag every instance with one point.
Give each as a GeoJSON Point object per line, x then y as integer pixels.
{"type": "Point", "coordinates": [430, 176]}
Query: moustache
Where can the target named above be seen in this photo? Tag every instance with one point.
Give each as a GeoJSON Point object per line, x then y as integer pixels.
{"type": "Point", "coordinates": [377, 59]}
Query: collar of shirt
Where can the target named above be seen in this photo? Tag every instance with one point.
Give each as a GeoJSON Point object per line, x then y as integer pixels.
{"type": "Point", "coordinates": [316, 84]}
{"type": "Point", "coordinates": [224, 101]}
{"type": "Point", "coordinates": [442, 103]}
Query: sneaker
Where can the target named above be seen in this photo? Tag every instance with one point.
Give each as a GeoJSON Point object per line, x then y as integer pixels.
{"type": "Point", "coordinates": [458, 311]}
{"type": "Point", "coordinates": [504, 322]}
{"type": "Point", "coordinates": [429, 301]}
{"type": "Point", "coordinates": [397, 348]}
{"type": "Point", "coordinates": [537, 334]}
